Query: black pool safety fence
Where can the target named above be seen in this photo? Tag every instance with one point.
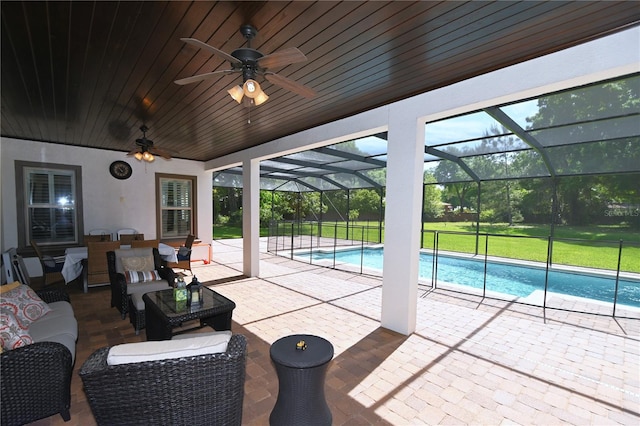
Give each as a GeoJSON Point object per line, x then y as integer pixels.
{"type": "Point", "coordinates": [616, 264]}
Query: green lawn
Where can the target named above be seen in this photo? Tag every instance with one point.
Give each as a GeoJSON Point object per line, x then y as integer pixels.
{"type": "Point", "coordinates": [222, 232]}
{"type": "Point", "coordinates": [592, 233]}
{"type": "Point", "coordinates": [594, 246]}
{"type": "Point", "coordinates": [598, 246]}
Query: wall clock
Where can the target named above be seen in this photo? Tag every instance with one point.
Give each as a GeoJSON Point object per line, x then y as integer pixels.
{"type": "Point", "coordinates": [120, 170]}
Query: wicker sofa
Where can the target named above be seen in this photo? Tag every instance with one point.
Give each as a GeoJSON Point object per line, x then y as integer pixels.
{"type": "Point", "coordinates": [36, 379]}
{"type": "Point", "coordinates": [121, 290]}
{"type": "Point", "coordinates": [206, 389]}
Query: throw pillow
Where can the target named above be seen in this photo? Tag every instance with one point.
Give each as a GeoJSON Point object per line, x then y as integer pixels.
{"type": "Point", "coordinates": [138, 263]}
{"type": "Point", "coordinates": [12, 334]}
{"type": "Point", "coordinates": [141, 277]}
{"type": "Point", "coordinates": [9, 287]}
{"type": "Point", "coordinates": [24, 304]}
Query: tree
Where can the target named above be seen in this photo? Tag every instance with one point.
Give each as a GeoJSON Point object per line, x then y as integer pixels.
{"type": "Point", "coordinates": [432, 198]}
{"type": "Point", "coordinates": [227, 204]}
{"type": "Point", "coordinates": [500, 197]}
{"type": "Point", "coordinates": [607, 145]}
{"type": "Point", "coordinates": [458, 183]}
{"type": "Point", "coordinates": [336, 204]}
{"type": "Point", "coordinates": [366, 202]}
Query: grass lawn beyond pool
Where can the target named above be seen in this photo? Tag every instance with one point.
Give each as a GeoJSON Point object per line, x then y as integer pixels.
{"type": "Point", "coordinates": [589, 246]}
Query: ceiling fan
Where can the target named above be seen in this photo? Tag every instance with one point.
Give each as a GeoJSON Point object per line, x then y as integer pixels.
{"type": "Point", "coordinates": [252, 63]}
{"type": "Point", "coordinates": [146, 151]}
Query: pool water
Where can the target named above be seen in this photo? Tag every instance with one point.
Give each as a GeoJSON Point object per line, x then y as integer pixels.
{"type": "Point", "coordinates": [516, 280]}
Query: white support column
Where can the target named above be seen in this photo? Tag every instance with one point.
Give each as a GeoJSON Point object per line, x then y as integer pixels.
{"type": "Point", "coordinates": [251, 217]}
{"type": "Point", "coordinates": [402, 220]}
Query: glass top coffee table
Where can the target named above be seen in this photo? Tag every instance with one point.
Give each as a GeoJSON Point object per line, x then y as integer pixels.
{"type": "Point", "coordinates": [163, 313]}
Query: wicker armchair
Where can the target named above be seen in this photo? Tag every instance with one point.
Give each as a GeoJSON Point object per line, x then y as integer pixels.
{"type": "Point", "coordinates": [120, 292]}
{"type": "Point", "coordinates": [197, 390]}
{"type": "Point", "coordinates": [35, 380]}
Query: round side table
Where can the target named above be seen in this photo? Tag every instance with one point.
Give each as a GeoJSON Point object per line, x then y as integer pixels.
{"type": "Point", "coordinates": [301, 375]}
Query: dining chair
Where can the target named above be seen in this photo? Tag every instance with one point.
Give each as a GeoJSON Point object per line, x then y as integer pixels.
{"type": "Point", "coordinates": [104, 232]}
{"type": "Point", "coordinates": [127, 239]}
{"type": "Point", "coordinates": [96, 238]}
{"type": "Point", "coordinates": [51, 265]}
{"type": "Point", "coordinates": [97, 270]}
{"type": "Point", "coordinates": [184, 255]}
{"type": "Point", "coordinates": [16, 266]}
{"type": "Point", "coordinates": [125, 231]}
{"type": "Point", "coordinates": [145, 243]}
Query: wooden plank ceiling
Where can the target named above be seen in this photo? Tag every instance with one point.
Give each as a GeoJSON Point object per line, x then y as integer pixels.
{"type": "Point", "coordinates": [91, 73]}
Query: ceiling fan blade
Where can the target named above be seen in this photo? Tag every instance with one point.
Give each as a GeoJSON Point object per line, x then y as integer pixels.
{"type": "Point", "coordinates": [291, 85]}
{"type": "Point", "coordinates": [130, 153]}
{"type": "Point", "coordinates": [202, 45]}
{"type": "Point", "coordinates": [290, 55]}
{"type": "Point", "coordinates": [162, 153]}
{"type": "Point", "coordinates": [201, 77]}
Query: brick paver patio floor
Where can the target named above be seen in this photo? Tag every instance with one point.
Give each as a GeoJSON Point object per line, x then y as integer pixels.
{"type": "Point", "coordinates": [470, 361]}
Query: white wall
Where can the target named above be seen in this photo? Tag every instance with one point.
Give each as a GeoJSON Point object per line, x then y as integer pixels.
{"type": "Point", "coordinates": [107, 202]}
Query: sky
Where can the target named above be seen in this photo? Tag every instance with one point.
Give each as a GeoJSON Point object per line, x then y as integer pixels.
{"type": "Point", "coordinates": [468, 126]}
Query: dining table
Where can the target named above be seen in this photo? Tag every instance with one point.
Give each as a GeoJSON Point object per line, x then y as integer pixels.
{"type": "Point", "coordinates": [74, 257]}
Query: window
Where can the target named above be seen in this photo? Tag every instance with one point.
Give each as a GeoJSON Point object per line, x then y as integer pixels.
{"type": "Point", "coordinates": [48, 203]}
{"type": "Point", "coordinates": [176, 205]}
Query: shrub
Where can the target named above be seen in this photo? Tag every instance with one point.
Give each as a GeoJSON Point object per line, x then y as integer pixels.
{"type": "Point", "coordinates": [488, 215]}
{"type": "Point", "coordinates": [235, 218]}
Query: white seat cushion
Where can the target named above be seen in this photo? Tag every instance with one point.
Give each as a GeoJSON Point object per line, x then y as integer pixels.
{"type": "Point", "coordinates": [59, 325]}
{"type": "Point", "coordinates": [136, 298]}
{"type": "Point", "coordinates": [60, 320]}
{"type": "Point", "coordinates": [196, 344]}
{"type": "Point", "coordinates": [147, 287]}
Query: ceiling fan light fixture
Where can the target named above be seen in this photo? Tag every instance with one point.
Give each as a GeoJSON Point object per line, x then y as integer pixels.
{"type": "Point", "coordinates": [260, 98]}
{"type": "Point", "coordinates": [148, 157]}
{"type": "Point", "coordinates": [138, 156]}
{"type": "Point", "coordinates": [236, 93]}
{"type": "Point", "coordinates": [251, 88]}
{"type": "Point", "coordinates": [250, 63]}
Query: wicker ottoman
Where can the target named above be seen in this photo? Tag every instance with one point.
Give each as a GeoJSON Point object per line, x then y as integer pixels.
{"type": "Point", "coordinates": [136, 312]}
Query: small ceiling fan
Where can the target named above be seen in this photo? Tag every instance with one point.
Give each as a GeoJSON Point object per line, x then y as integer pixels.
{"type": "Point", "coordinates": [252, 63]}
{"type": "Point", "coordinates": [146, 150]}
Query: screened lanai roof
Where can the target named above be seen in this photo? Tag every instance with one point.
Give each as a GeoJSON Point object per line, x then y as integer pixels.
{"type": "Point", "coordinates": [347, 165]}
{"type": "Point", "coordinates": [593, 129]}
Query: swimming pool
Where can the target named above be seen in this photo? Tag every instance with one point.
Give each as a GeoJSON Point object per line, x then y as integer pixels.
{"type": "Point", "coordinates": [516, 280]}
